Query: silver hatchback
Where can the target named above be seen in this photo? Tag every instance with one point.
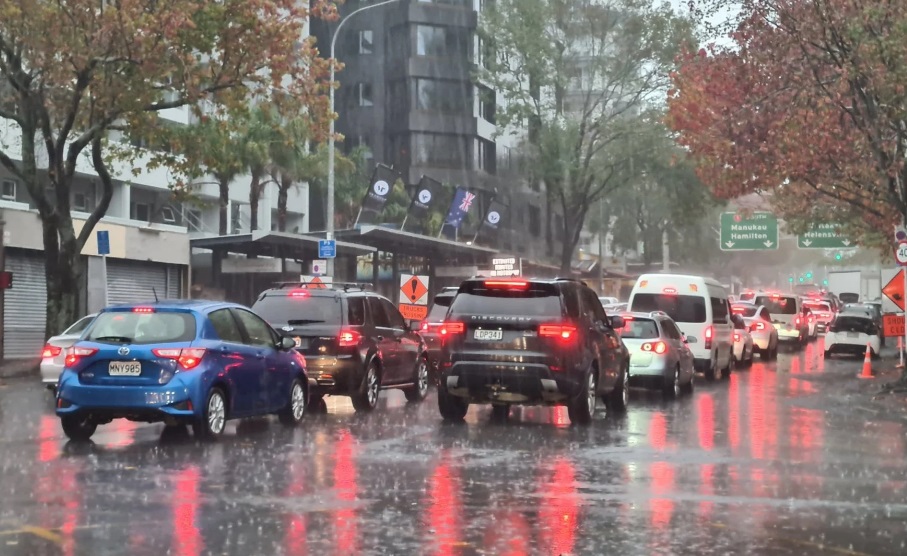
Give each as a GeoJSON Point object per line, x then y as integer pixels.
{"type": "Point", "coordinates": [54, 352]}
{"type": "Point", "coordinates": [659, 355]}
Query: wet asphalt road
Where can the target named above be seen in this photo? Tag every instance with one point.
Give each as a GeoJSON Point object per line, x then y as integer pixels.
{"type": "Point", "coordinates": [781, 459]}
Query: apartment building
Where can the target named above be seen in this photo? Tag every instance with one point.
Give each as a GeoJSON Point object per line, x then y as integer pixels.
{"type": "Point", "coordinates": [408, 92]}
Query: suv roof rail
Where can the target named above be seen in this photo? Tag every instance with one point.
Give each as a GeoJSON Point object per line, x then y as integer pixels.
{"type": "Point", "coordinates": [345, 286]}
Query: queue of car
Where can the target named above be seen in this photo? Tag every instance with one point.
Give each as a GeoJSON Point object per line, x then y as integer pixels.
{"type": "Point", "coordinates": [490, 341]}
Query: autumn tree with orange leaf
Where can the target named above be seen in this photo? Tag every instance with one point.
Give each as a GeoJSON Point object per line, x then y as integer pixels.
{"type": "Point", "coordinates": [73, 71]}
{"type": "Point", "coordinates": [807, 105]}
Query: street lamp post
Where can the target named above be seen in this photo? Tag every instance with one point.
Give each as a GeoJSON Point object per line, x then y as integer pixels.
{"type": "Point", "coordinates": [329, 217]}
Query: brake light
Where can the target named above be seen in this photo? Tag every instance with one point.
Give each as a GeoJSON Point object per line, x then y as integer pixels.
{"type": "Point", "coordinates": [670, 291]}
{"type": "Point", "coordinates": [657, 347]}
{"type": "Point", "coordinates": [143, 310]}
{"type": "Point", "coordinates": [187, 358]}
{"type": "Point", "coordinates": [563, 332]}
{"type": "Point", "coordinates": [507, 284]}
{"type": "Point", "coordinates": [299, 293]}
{"type": "Point", "coordinates": [709, 333]}
{"type": "Point", "coordinates": [797, 321]}
{"type": "Point", "coordinates": [348, 338]}
{"type": "Point", "coordinates": [51, 351]}
{"type": "Point", "coordinates": [75, 354]}
{"type": "Point", "coordinates": [736, 337]}
{"type": "Point", "coordinates": [449, 328]}
{"type": "Point", "coordinates": [760, 326]}
{"type": "Point", "coordinates": [424, 326]}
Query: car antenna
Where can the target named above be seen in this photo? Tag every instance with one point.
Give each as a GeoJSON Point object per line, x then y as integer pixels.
{"type": "Point", "coordinates": [155, 294]}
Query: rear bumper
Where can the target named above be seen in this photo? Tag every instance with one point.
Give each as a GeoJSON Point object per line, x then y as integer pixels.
{"type": "Point", "coordinates": [50, 371]}
{"type": "Point", "coordinates": [482, 382]}
{"type": "Point", "coordinates": [792, 335]}
{"type": "Point", "coordinates": [333, 375]}
{"type": "Point", "coordinates": [643, 364]}
{"type": "Point", "coordinates": [172, 401]}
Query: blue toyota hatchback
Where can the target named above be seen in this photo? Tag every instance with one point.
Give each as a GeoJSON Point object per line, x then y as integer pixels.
{"type": "Point", "coordinates": [196, 363]}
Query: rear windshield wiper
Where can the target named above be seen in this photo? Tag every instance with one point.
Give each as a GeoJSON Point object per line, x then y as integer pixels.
{"type": "Point", "coordinates": [303, 321]}
{"type": "Point", "coordinates": [114, 339]}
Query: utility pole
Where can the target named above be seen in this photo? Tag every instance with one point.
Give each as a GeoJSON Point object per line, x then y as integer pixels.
{"type": "Point", "coordinates": [601, 251]}
{"type": "Point", "coordinates": [2, 290]}
{"type": "Point", "coordinates": [665, 249]}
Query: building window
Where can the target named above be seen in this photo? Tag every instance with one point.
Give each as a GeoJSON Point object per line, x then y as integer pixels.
{"type": "Point", "coordinates": [8, 191]}
{"type": "Point", "coordinates": [397, 105]}
{"type": "Point", "coordinates": [535, 220]}
{"type": "Point", "coordinates": [80, 201]}
{"type": "Point", "coordinates": [141, 211]}
{"type": "Point", "coordinates": [445, 151]}
{"type": "Point", "coordinates": [485, 156]}
{"type": "Point", "coordinates": [486, 104]}
{"type": "Point", "coordinates": [440, 42]}
{"type": "Point", "coordinates": [366, 42]}
{"type": "Point", "coordinates": [449, 97]}
{"type": "Point", "coordinates": [168, 215]}
{"type": "Point", "coordinates": [364, 93]}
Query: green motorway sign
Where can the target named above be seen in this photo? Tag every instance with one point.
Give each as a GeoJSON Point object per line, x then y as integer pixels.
{"type": "Point", "coordinates": [824, 236]}
{"type": "Point", "coordinates": [739, 233]}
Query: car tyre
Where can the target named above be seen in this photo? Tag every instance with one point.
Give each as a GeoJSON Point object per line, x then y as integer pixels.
{"type": "Point", "coordinates": [78, 428]}
{"type": "Point", "coordinates": [214, 416]}
{"type": "Point", "coordinates": [731, 363]}
{"type": "Point", "coordinates": [293, 413]}
{"type": "Point", "coordinates": [366, 398]}
{"type": "Point", "coordinates": [827, 354]}
{"type": "Point", "coordinates": [619, 398]}
{"type": "Point", "coordinates": [581, 409]}
{"type": "Point", "coordinates": [452, 408]}
{"type": "Point", "coordinates": [671, 386]}
{"type": "Point", "coordinates": [688, 387]}
{"type": "Point", "coordinates": [419, 390]}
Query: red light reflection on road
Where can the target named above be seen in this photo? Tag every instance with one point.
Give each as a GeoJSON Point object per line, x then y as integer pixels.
{"type": "Point", "coordinates": [187, 540]}
{"type": "Point", "coordinates": [559, 416]}
{"type": "Point", "coordinates": [508, 534]}
{"type": "Point", "coordinates": [59, 489]}
{"type": "Point", "coordinates": [658, 431]}
{"type": "Point", "coordinates": [559, 513]}
{"type": "Point", "coordinates": [706, 488]}
{"type": "Point", "coordinates": [123, 432]}
{"type": "Point", "coordinates": [762, 414]}
{"type": "Point", "coordinates": [345, 525]}
{"type": "Point", "coordinates": [444, 507]}
{"type": "Point", "coordinates": [662, 484]}
{"type": "Point", "coordinates": [705, 413]}
{"type": "Point", "coordinates": [805, 434]}
{"type": "Point", "coordinates": [733, 412]}
{"type": "Point", "coordinates": [48, 445]}
{"type": "Point", "coordinates": [295, 542]}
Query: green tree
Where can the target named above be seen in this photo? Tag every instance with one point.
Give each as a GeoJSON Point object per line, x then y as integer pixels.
{"type": "Point", "coordinates": [72, 71]}
{"type": "Point", "coordinates": [576, 72]}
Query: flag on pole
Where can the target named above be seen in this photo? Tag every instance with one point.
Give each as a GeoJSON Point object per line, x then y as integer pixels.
{"type": "Point", "coordinates": [379, 190]}
{"type": "Point", "coordinates": [493, 222]}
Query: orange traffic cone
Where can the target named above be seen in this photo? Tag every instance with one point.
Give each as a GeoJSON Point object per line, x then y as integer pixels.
{"type": "Point", "coordinates": [867, 363]}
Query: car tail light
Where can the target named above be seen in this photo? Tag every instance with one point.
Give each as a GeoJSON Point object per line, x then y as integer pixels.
{"type": "Point", "coordinates": [736, 337]}
{"type": "Point", "coordinates": [507, 284]}
{"type": "Point", "coordinates": [451, 328]}
{"type": "Point", "coordinates": [75, 354]}
{"type": "Point", "coordinates": [187, 358]}
{"type": "Point", "coordinates": [299, 293]}
{"type": "Point", "coordinates": [657, 347]}
{"type": "Point", "coordinates": [51, 351]}
{"type": "Point", "coordinates": [670, 291]}
{"type": "Point", "coordinates": [143, 310]}
{"type": "Point", "coordinates": [424, 326]}
{"type": "Point", "coordinates": [563, 332]}
{"type": "Point", "coordinates": [709, 334]}
{"type": "Point", "coordinates": [348, 338]}
{"type": "Point", "coordinates": [797, 321]}
{"type": "Point", "coordinates": [759, 326]}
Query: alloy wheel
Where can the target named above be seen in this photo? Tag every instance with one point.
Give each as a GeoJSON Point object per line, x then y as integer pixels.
{"type": "Point", "coordinates": [298, 401]}
{"type": "Point", "coordinates": [216, 413]}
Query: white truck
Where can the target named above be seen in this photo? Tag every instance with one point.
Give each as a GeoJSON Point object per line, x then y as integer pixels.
{"type": "Point", "coordinates": [855, 285]}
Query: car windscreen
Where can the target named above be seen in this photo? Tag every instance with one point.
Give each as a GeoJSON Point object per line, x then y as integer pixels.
{"type": "Point", "coordinates": [529, 303]}
{"type": "Point", "coordinates": [300, 310]}
{"type": "Point", "coordinates": [778, 305]}
{"type": "Point", "coordinates": [846, 323]}
{"type": "Point", "coordinates": [639, 329]}
{"type": "Point", "coordinates": [746, 311]}
{"type": "Point", "coordinates": [681, 308]}
{"type": "Point", "coordinates": [142, 328]}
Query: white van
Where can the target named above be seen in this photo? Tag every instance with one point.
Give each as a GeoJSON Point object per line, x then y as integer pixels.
{"type": "Point", "coordinates": [700, 308]}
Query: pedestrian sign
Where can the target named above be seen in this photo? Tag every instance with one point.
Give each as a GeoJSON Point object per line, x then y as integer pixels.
{"type": "Point", "coordinates": [327, 249]}
{"type": "Point", "coordinates": [756, 232]}
{"type": "Point", "coordinates": [413, 303]}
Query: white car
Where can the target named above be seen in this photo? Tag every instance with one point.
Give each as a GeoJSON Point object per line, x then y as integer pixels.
{"type": "Point", "coordinates": [54, 351]}
{"type": "Point", "coordinates": [743, 342]}
{"type": "Point", "coordinates": [763, 332]}
{"type": "Point", "coordinates": [606, 300]}
{"type": "Point", "coordinates": [851, 333]}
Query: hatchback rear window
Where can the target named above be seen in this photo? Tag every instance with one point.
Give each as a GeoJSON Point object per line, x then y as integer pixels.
{"type": "Point", "coordinates": [142, 328]}
{"type": "Point", "coordinates": [529, 303]}
{"type": "Point", "coordinates": [854, 324]}
{"type": "Point", "coordinates": [439, 309]}
{"type": "Point", "coordinates": [300, 310]}
{"type": "Point", "coordinates": [681, 308]}
{"type": "Point", "coordinates": [641, 329]}
{"type": "Point", "coordinates": [778, 305]}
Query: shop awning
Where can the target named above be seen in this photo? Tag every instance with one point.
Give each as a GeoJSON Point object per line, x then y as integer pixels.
{"type": "Point", "coordinates": [277, 244]}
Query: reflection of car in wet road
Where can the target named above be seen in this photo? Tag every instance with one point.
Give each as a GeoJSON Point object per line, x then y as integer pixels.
{"type": "Point", "coordinates": [198, 363]}
{"type": "Point", "coordinates": [536, 342]}
{"type": "Point", "coordinates": [659, 356]}
{"type": "Point", "coordinates": [356, 342]}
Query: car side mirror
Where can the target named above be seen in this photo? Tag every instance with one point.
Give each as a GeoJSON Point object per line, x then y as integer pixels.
{"type": "Point", "coordinates": [617, 322]}
{"type": "Point", "coordinates": [286, 343]}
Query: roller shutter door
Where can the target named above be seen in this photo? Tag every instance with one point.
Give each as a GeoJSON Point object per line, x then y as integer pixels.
{"type": "Point", "coordinates": [135, 281]}
{"type": "Point", "coordinates": [24, 313]}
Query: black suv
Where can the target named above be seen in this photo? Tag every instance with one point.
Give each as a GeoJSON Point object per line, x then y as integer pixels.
{"type": "Point", "coordinates": [355, 342]}
{"type": "Point", "coordinates": [532, 342]}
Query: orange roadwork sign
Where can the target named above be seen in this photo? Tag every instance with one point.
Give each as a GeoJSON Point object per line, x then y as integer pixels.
{"type": "Point", "coordinates": [893, 325]}
{"type": "Point", "coordinates": [413, 312]}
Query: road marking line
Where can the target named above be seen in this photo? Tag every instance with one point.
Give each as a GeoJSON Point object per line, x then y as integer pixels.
{"type": "Point", "coordinates": [43, 533]}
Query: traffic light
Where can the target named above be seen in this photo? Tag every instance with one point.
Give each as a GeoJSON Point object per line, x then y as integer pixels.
{"type": "Point", "coordinates": [790, 279]}
{"type": "Point", "coordinates": [838, 256]}
{"type": "Point", "coordinates": [824, 282]}
{"type": "Point", "coordinates": [801, 279]}
{"type": "Point", "coordinates": [809, 275]}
